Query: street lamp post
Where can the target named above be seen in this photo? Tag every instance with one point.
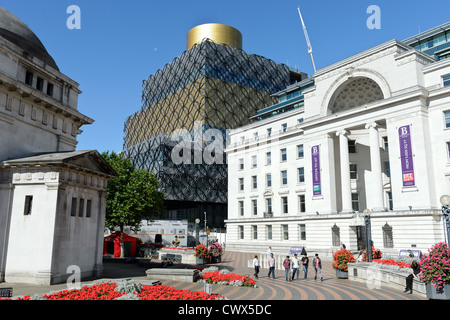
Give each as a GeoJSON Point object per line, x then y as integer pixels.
{"type": "Point", "coordinates": [368, 234]}
{"type": "Point", "coordinates": [445, 201]}
{"type": "Point", "coordinates": [206, 236]}
{"type": "Point", "coordinates": [197, 222]}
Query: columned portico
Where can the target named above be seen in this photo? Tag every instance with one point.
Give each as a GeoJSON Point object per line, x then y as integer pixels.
{"type": "Point", "coordinates": [346, 192]}
{"type": "Point", "coordinates": [376, 187]}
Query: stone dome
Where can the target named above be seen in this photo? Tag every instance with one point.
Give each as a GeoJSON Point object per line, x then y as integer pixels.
{"type": "Point", "coordinates": [17, 32]}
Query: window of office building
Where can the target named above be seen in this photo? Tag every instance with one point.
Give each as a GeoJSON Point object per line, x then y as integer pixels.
{"type": "Point", "coordinates": [283, 154]}
{"type": "Point", "coordinates": [385, 144]}
{"type": "Point", "coordinates": [301, 203]}
{"type": "Point", "coordinates": [268, 158]}
{"type": "Point", "coordinates": [284, 177]}
{"type": "Point", "coordinates": [241, 208]}
{"type": "Point", "coordinates": [388, 239]}
{"type": "Point", "coordinates": [285, 230]}
{"type": "Point", "coordinates": [255, 207]}
{"type": "Point", "coordinates": [254, 182]}
{"type": "Point", "coordinates": [302, 231]}
{"type": "Point", "coordinates": [269, 232]}
{"type": "Point", "coordinates": [284, 127]}
{"type": "Point", "coordinates": [446, 80]}
{"type": "Point", "coordinates": [448, 151]}
{"type": "Point", "coordinates": [335, 236]}
{"type": "Point", "coordinates": [255, 232]}
{"type": "Point", "coordinates": [353, 171]}
{"type": "Point", "coordinates": [241, 232]}
{"type": "Point", "coordinates": [284, 204]}
{"type": "Point", "coordinates": [301, 174]}
{"type": "Point", "coordinates": [351, 146]}
{"type": "Point", "coordinates": [241, 184]}
{"type": "Point", "coordinates": [268, 180]}
{"type": "Point", "coordinates": [447, 118]}
{"type": "Point", "coordinates": [387, 169]}
{"type": "Point", "coordinates": [390, 200]}
{"type": "Point", "coordinates": [300, 152]}
{"type": "Point", "coordinates": [254, 161]}
{"type": "Point", "coordinates": [269, 205]}
{"type": "Point", "coordinates": [269, 132]}
{"type": "Point", "coordinates": [241, 164]}
{"type": "Point", "coordinates": [355, 201]}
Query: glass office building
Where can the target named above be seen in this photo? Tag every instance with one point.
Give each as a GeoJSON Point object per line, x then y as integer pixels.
{"type": "Point", "coordinates": [211, 87]}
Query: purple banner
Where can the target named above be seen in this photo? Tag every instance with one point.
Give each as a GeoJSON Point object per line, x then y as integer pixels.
{"type": "Point", "coordinates": [315, 155]}
{"type": "Point", "coordinates": [404, 135]}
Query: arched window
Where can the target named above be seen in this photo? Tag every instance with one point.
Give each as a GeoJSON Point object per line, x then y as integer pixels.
{"type": "Point", "coordinates": [388, 239]}
{"type": "Point", "coordinates": [335, 236]}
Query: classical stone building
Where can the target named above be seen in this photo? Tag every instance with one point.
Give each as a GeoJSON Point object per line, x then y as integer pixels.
{"type": "Point", "coordinates": [368, 132]}
{"type": "Point", "coordinates": [52, 197]}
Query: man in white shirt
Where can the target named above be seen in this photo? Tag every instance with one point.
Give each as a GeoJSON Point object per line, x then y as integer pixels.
{"type": "Point", "coordinates": [256, 266]}
{"type": "Point", "coordinates": [295, 265]}
{"type": "Point", "coordinates": [269, 252]}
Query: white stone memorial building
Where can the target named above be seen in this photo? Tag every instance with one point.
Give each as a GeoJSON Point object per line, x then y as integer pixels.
{"type": "Point", "coordinates": [52, 197]}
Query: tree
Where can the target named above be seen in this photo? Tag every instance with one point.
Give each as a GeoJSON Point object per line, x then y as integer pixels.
{"type": "Point", "coordinates": [132, 196]}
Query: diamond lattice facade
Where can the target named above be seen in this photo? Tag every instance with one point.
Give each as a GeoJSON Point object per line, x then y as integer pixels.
{"type": "Point", "coordinates": [210, 86]}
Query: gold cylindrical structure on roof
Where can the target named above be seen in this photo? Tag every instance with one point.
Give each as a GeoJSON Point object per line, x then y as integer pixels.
{"type": "Point", "coordinates": [219, 33]}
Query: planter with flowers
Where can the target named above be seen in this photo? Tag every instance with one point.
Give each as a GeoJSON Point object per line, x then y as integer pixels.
{"type": "Point", "coordinates": [215, 251]}
{"type": "Point", "coordinates": [376, 254]}
{"type": "Point", "coordinates": [202, 254]}
{"type": "Point", "coordinates": [341, 258]}
{"type": "Point", "coordinates": [435, 271]}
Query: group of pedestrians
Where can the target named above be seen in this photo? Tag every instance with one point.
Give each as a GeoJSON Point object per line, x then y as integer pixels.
{"type": "Point", "coordinates": [291, 267]}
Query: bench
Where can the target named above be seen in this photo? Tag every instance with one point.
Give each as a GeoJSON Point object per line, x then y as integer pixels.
{"type": "Point", "coordinates": [187, 275]}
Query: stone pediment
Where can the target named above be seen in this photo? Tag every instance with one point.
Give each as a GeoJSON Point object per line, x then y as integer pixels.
{"type": "Point", "coordinates": [86, 160]}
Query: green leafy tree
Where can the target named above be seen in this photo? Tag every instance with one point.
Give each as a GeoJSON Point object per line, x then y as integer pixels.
{"type": "Point", "coordinates": [132, 196]}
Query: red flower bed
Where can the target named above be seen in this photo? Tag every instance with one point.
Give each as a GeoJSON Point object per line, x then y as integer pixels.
{"type": "Point", "coordinates": [177, 248]}
{"type": "Point", "coordinates": [105, 291]}
{"type": "Point", "coordinates": [215, 276]}
{"type": "Point", "coordinates": [393, 262]}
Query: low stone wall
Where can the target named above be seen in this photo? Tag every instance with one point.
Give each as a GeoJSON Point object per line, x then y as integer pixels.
{"type": "Point", "coordinates": [179, 256]}
{"type": "Point", "coordinates": [376, 276]}
{"type": "Point", "coordinates": [187, 275]}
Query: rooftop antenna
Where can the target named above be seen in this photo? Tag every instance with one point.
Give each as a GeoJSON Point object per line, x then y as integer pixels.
{"type": "Point", "coordinates": [307, 40]}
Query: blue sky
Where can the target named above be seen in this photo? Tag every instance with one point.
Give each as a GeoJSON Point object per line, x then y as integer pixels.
{"type": "Point", "coordinates": [121, 43]}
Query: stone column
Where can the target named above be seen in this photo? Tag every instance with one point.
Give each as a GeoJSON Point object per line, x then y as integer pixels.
{"type": "Point", "coordinates": [376, 192]}
{"type": "Point", "coordinates": [346, 190]}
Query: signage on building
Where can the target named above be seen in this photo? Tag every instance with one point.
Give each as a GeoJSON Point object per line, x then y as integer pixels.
{"type": "Point", "coordinates": [315, 155]}
{"type": "Point", "coordinates": [406, 158]}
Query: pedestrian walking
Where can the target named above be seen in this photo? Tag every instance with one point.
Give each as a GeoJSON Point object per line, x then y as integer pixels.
{"type": "Point", "coordinates": [317, 263]}
{"type": "Point", "coordinates": [295, 265]}
{"type": "Point", "coordinates": [305, 263]}
{"type": "Point", "coordinates": [287, 268]}
{"type": "Point", "coordinates": [256, 266]}
{"type": "Point", "coordinates": [343, 246]}
{"type": "Point", "coordinates": [271, 263]}
{"type": "Point", "coordinates": [269, 252]}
